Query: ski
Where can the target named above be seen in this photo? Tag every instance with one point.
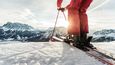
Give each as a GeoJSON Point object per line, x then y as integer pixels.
{"type": "Point", "coordinates": [100, 56]}
{"type": "Point", "coordinates": [105, 59]}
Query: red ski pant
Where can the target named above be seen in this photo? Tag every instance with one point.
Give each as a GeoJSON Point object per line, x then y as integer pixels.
{"type": "Point", "coordinates": [74, 22]}
{"type": "Point", "coordinates": [78, 20]}
{"type": "Point", "coordinates": [83, 16]}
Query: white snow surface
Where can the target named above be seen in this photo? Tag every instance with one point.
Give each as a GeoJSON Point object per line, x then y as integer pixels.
{"type": "Point", "coordinates": [107, 48]}
{"type": "Point", "coordinates": [43, 53]}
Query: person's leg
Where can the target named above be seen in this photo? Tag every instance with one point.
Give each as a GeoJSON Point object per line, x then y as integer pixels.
{"type": "Point", "coordinates": [74, 22]}
{"type": "Point", "coordinates": [83, 16]}
{"type": "Point", "coordinates": [84, 20]}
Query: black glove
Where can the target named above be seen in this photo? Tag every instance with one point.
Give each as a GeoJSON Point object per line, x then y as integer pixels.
{"type": "Point", "coordinates": [61, 9]}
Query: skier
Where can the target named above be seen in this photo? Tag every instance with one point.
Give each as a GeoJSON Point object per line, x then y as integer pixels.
{"type": "Point", "coordinates": [78, 21]}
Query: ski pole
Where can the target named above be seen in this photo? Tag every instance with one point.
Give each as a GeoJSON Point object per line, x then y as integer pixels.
{"type": "Point", "coordinates": [64, 15]}
{"type": "Point", "coordinates": [55, 25]}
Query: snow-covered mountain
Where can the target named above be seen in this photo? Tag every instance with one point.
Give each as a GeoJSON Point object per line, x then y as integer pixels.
{"type": "Point", "coordinates": [105, 35]}
{"type": "Point", "coordinates": [17, 26]}
{"type": "Point", "coordinates": [22, 32]}
{"type": "Point", "coordinates": [24, 35]}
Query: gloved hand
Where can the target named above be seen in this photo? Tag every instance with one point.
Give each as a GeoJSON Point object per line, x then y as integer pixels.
{"type": "Point", "coordinates": [61, 9]}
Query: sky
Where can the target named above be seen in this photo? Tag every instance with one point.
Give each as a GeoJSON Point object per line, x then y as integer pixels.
{"type": "Point", "coordinates": [42, 13]}
{"type": "Point", "coordinates": [103, 16]}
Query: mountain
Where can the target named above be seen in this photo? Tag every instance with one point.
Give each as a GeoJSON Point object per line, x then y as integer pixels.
{"type": "Point", "coordinates": [105, 35]}
{"type": "Point", "coordinates": [16, 35]}
{"type": "Point", "coordinates": [23, 32]}
{"type": "Point", "coordinates": [17, 26]}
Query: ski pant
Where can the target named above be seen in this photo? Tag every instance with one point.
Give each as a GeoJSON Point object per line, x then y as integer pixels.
{"type": "Point", "coordinates": [83, 16]}
{"type": "Point", "coordinates": [78, 20]}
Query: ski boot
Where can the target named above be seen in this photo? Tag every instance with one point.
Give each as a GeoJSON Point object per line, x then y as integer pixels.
{"type": "Point", "coordinates": [86, 40]}
{"type": "Point", "coordinates": [88, 44]}
{"type": "Point", "coordinates": [77, 43]}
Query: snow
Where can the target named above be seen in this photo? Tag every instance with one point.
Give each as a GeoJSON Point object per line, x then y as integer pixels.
{"type": "Point", "coordinates": [107, 48]}
{"type": "Point", "coordinates": [43, 53]}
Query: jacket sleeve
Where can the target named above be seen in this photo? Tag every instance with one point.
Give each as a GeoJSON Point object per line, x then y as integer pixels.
{"type": "Point", "coordinates": [59, 2]}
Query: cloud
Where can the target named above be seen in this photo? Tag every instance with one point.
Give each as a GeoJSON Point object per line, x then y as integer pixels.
{"type": "Point", "coordinates": [97, 4]}
{"type": "Point", "coordinates": [42, 12]}
{"type": "Point", "coordinates": [14, 3]}
{"type": "Point", "coordinates": [22, 16]}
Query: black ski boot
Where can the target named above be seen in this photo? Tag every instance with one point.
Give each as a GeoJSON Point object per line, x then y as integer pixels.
{"type": "Point", "coordinates": [88, 44]}
{"type": "Point", "coordinates": [79, 44]}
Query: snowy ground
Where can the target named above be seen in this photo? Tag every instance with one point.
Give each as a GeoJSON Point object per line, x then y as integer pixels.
{"type": "Point", "coordinates": [43, 53]}
{"type": "Point", "coordinates": [107, 48]}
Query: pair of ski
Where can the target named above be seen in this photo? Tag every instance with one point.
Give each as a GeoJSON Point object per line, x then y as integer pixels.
{"type": "Point", "coordinates": [93, 52]}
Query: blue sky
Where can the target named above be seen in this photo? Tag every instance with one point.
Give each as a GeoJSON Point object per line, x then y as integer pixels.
{"type": "Point", "coordinates": [42, 13]}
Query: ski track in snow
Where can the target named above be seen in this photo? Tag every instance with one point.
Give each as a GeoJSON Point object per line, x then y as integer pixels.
{"type": "Point", "coordinates": [43, 53]}
{"type": "Point", "coordinates": [107, 48]}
